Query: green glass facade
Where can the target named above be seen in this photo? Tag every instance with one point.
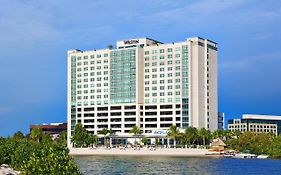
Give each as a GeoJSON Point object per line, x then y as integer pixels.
{"type": "Point", "coordinates": [123, 76]}
{"type": "Point", "coordinates": [73, 92]}
{"type": "Point", "coordinates": [185, 100]}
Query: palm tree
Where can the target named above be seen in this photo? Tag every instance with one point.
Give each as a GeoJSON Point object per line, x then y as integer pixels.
{"type": "Point", "coordinates": [36, 134]}
{"type": "Point", "coordinates": [173, 133]}
{"type": "Point", "coordinates": [144, 140]}
{"type": "Point", "coordinates": [135, 130]}
{"type": "Point", "coordinates": [192, 134]}
{"type": "Point", "coordinates": [104, 132]}
{"type": "Point", "coordinates": [204, 134]}
{"type": "Point", "coordinates": [92, 139]}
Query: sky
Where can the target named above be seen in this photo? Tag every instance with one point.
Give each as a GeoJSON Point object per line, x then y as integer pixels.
{"type": "Point", "coordinates": [35, 36]}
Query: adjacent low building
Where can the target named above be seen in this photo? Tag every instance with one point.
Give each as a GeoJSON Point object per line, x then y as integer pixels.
{"type": "Point", "coordinates": [53, 129]}
{"type": "Point", "coordinates": [256, 123]}
{"type": "Point", "coordinates": [221, 120]}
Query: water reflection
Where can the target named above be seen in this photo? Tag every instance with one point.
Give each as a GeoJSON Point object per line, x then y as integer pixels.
{"type": "Point", "coordinates": [146, 165]}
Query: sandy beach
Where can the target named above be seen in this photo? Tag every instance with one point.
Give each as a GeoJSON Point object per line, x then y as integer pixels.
{"type": "Point", "coordinates": [188, 152]}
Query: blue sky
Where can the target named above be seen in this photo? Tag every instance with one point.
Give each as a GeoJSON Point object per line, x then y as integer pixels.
{"type": "Point", "coordinates": [35, 36]}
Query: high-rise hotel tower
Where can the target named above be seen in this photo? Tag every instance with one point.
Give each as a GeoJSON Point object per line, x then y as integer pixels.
{"type": "Point", "coordinates": [144, 82]}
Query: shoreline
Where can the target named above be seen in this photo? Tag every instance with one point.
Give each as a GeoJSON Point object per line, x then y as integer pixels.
{"type": "Point", "coordinates": [175, 152]}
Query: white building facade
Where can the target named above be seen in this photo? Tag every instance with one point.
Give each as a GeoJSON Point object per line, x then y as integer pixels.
{"type": "Point", "coordinates": [256, 123]}
{"type": "Point", "coordinates": [144, 82]}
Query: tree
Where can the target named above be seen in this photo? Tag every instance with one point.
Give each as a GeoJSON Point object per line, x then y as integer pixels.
{"type": "Point", "coordinates": [92, 139]}
{"type": "Point", "coordinates": [144, 140]}
{"type": "Point", "coordinates": [62, 139]}
{"type": "Point", "coordinates": [80, 136]}
{"type": "Point", "coordinates": [104, 132]}
{"type": "Point", "coordinates": [192, 134]}
{"type": "Point", "coordinates": [18, 135]}
{"type": "Point", "coordinates": [36, 134]}
{"type": "Point", "coordinates": [50, 159]}
{"type": "Point", "coordinates": [204, 134]}
{"type": "Point", "coordinates": [32, 158]}
{"type": "Point", "coordinates": [173, 133]}
{"type": "Point", "coordinates": [275, 148]}
{"type": "Point", "coordinates": [135, 130]}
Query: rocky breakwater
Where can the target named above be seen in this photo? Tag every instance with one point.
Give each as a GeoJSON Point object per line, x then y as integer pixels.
{"type": "Point", "coordinates": [6, 170]}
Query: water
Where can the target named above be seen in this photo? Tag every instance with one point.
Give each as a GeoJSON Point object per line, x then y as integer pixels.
{"type": "Point", "coordinates": [176, 165]}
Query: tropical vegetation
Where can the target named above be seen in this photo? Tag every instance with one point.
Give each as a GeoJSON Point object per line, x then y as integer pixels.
{"type": "Point", "coordinates": [37, 153]}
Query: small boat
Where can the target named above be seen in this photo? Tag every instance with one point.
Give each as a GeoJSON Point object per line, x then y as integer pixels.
{"type": "Point", "coordinates": [262, 156]}
{"type": "Point", "coordinates": [228, 155]}
{"type": "Point", "coordinates": [244, 156]}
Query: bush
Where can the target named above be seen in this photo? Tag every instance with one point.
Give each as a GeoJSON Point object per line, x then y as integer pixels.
{"type": "Point", "coordinates": [33, 157]}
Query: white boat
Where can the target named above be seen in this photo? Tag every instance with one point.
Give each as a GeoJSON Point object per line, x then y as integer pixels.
{"type": "Point", "coordinates": [244, 156]}
{"type": "Point", "coordinates": [262, 156]}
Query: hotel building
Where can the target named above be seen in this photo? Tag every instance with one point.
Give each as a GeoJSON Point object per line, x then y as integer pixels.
{"type": "Point", "coordinates": [256, 123]}
{"type": "Point", "coordinates": [144, 82]}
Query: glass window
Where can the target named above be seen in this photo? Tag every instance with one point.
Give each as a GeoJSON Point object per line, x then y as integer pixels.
{"type": "Point", "coordinates": [162, 50]}
{"type": "Point", "coordinates": [170, 49]}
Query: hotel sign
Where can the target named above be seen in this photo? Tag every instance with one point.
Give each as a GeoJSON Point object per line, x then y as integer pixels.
{"type": "Point", "coordinates": [133, 41]}
{"type": "Point", "coordinates": [161, 132]}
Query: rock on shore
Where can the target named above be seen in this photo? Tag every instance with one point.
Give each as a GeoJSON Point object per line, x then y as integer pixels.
{"type": "Point", "coordinates": [6, 170]}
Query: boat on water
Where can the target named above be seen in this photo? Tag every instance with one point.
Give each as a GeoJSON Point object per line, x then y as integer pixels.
{"type": "Point", "coordinates": [262, 156]}
{"type": "Point", "coordinates": [244, 156]}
